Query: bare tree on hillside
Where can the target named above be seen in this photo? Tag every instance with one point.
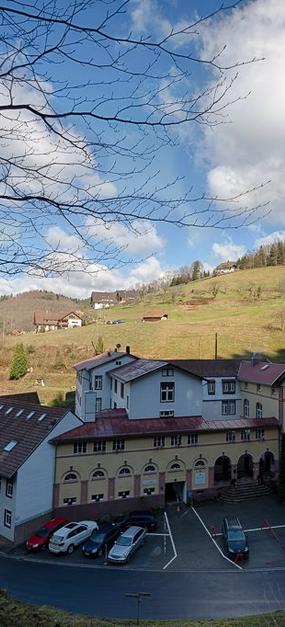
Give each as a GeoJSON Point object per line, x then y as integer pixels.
{"type": "Point", "coordinates": [85, 107]}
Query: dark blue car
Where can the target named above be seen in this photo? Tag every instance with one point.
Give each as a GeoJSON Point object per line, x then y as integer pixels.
{"type": "Point", "coordinates": [101, 540]}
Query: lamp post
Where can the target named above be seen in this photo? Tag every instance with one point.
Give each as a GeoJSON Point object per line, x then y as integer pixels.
{"type": "Point", "coordinates": [139, 596]}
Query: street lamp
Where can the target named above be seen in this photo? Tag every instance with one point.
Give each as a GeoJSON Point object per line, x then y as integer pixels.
{"type": "Point", "coordinates": [139, 596]}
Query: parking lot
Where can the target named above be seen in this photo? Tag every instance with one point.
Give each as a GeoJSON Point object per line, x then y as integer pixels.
{"type": "Point", "coordinates": [190, 540]}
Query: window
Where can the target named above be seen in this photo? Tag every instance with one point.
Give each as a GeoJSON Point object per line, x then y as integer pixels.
{"type": "Point", "coordinates": [229, 387]}
{"type": "Point", "coordinates": [98, 474]}
{"type": "Point", "coordinates": [71, 476]}
{"type": "Point", "coordinates": [8, 447]}
{"type": "Point", "coordinates": [7, 518]}
{"type": "Point", "coordinates": [149, 468]}
{"type": "Point", "coordinates": [118, 362]}
{"type": "Point", "coordinates": [230, 436]}
{"type": "Point", "coordinates": [176, 440]}
{"type": "Point", "coordinates": [148, 491]}
{"type": "Point", "coordinates": [41, 418]}
{"type": "Point", "coordinates": [175, 466]}
{"type": "Point", "coordinates": [69, 500]}
{"type": "Point", "coordinates": [115, 386]}
{"type": "Point", "coordinates": [273, 391]}
{"type": "Point", "coordinates": [258, 410]}
{"type": "Point", "coordinates": [166, 414]}
{"type": "Point", "coordinates": [258, 387]}
{"type": "Point", "coordinates": [228, 408]}
{"type": "Point", "coordinates": [167, 372]}
{"type": "Point", "coordinates": [97, 497]}
{"type": "Point", "coordinates": [124, 471]}
{"type": "Point", "coordinates": [118, 445]}
{"type": "Point", "coordinates": [246, 408]}
{"type": "Point", "coordinates": [98, 382]}
{"type": "Point", "coordinates": [167, 392]}
{"type": "Point", "coordinates": [245, 435]}
{"type": "Point", "coordinates": [211, 387]}
{"type": "Point", "coordinates": [122, 390]}
{"type": "Point", "coordinates": [79, 447]}
{"type": "Point", "coordinates": [9, 489]}
{"type": "Point", "coordinates": [159, 441]}
{"type": "Point", "coordinates": [193, 438]}
{"type": "Point", "coordinates": [259, 434]}
{"type": "Point", "coordinates": [124, 494]}
{"type": "Point", "coordinates": [30, 415]}
{"type": "Point", "coordinates": [98, 404]}
{"type": "Point", "coordinates": [8, 411]}
{"type": "Point", "coordinates": [200, 462]}
{"type": "Point", "coordinates": [100, 446]}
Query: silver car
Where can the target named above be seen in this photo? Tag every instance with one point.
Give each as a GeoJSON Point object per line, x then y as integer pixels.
{"type": "Point", "coordinates": [126, 544]}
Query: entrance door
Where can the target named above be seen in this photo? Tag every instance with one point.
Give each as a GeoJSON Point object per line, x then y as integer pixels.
{"type": "Point", "coordinates": [174, 491]}
{"type": "Point", "coordinates": [245, 466]}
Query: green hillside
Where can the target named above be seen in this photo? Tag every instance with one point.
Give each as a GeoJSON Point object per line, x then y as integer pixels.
{"type": "Point", "coordinates": [246, 309]}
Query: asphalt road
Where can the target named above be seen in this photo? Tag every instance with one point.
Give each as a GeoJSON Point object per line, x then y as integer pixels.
{"type": "Point", "coordinates": [98, 592]}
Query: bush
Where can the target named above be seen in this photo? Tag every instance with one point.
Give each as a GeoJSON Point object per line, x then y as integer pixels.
{"type": "Point", "coordinates": [19, 366]}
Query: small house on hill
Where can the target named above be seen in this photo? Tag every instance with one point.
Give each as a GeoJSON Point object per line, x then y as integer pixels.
{"type": "Point", "coordinates": [155, 316]}
{"type": "Point", "coordinates": [104, 300]}
{"type": "Point", "coordinates": [45, 321]}
{"type": "Point", "coordinates": [226, 267]}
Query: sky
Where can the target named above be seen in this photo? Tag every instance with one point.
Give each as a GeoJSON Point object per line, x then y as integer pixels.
{"type": "Point", "coordinates": [245, 151]}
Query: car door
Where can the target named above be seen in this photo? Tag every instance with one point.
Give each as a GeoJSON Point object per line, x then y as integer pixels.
{"type": "Point", "coordinates": [83, 532]}
{"type": "Point", "coordinates": [137, 540]}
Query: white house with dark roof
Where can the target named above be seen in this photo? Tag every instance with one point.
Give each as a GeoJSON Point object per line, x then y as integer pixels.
{"type": "Point", "coordinates": [27, 460]}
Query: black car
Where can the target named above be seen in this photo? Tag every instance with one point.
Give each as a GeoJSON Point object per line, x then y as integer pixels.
{"type": "Point", "coordinates": [101, 540]}
{"type": "Point", "coordinates": [235, 538]}
{"type": "Point", "coordinates": [139, 519]}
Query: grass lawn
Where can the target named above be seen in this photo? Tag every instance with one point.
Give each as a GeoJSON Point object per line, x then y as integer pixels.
{"type": "Point", "coordinates": [16, 614]}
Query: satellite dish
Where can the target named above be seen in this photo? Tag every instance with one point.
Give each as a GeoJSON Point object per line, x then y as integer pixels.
{"type": "Point", "coordinates": [118, 346]}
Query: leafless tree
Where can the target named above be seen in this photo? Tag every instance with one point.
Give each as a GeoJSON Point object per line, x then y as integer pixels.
{"type": "Point", "coordinates": [85, 107]}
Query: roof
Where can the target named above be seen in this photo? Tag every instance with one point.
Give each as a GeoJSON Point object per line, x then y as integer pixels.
{"type": "Point", "coordinates": [108, 297]}
{"type": "Point", "coordinates": [208, 367]}
{"type": "Point", "coordinates": [99, 360]}
{"type": "Point", "coordinates": [108, 425]}
{"type": "Point", "coordinates": [28, 429]}
{"type": "Point", "coordinates": [136, 369]}
{"type": "Point", "coordinates": [43, 317]}
{"type": "Point", "coordinates": [257, 371]}
{"type": "Point", "coordinates": [22, 397]}
{"type": "Point", "coordinates": [157, 313]}
{"type": "Point", "coordinates": [226, 265]}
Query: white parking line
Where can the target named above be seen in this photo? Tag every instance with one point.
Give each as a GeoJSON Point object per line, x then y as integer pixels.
{"type": "Point", "coordinates": [258, 529]}
{"type": "Point", "coordinates": [172, 542]}
{"type": "Point", "coordinates": [215, 543]}
{"type": "Point", "coordinates": [157, 534]}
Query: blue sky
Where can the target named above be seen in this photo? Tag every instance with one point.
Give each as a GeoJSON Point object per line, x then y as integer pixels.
{"type": "Point", "coordinates": [245, 151]}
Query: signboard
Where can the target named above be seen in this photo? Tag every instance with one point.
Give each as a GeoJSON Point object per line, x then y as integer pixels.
{"type": "Point", "coordinates": [200, 477]}
{"type": "Point", "coordinates": [149, 482]}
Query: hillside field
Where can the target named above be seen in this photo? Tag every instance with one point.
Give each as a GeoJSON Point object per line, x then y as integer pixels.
{"type": "Point", "coordinates": [246, 309]}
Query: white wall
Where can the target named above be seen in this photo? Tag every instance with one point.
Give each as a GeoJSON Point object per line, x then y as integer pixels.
{"type": "Point", "coordinates": [212, 403]}
{"type": "Point", "coordinates": [34, 493]}
{"type": "Point", "coordinates": [10, 504]}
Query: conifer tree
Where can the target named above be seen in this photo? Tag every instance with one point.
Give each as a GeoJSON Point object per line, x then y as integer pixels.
{"type": "Point", "coordinates": [19, 366]}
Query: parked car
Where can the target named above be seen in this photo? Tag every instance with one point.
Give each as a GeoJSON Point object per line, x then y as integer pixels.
{"type": "Point", "coordinates": [69, 536]}
{"type": "Point", "coordinates": [126, 545]}
{"type": "Point", "coordinates": [101, 540]}
{"type": "Point", "coordinates": [140, 519]}
{"type": "Point", "coordinates": [40, 539]}
{"type": "Point", "coordinates": [235, 538]}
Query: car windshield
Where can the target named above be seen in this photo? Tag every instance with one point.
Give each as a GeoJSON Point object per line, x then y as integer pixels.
{"type": "Point", "coordinates": [236, 535]}
{"type": "Point", "coordinates": [41, 533]}
{"type": "Point", "coordinates": [97, 537]}
{"type": "Point", "coordinates": [124, 541]}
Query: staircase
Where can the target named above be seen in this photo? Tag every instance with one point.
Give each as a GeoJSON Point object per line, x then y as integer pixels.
{"type": "Point", "coordinates": [244, 491]}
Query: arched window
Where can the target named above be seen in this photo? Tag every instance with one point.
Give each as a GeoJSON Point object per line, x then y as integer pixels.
{"type": "Point", "coordinates": [246, 408]}
{"type": "Point", "coordinates": [150, 468]}
{"type": "Point", "coordinates": [258, 410]}
{"type": "Point", "coordinates": [98, 474]}
{"type": "Point", "coordinates": [200, 462]}
{"type": "Point", "coordinates": [124, 471]}
{"type": "Point", "coordinates": [70, 476]}
{"type": "Point", "coordinates": [175, 466]}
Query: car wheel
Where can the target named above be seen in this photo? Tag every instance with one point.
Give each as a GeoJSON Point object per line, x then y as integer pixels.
{"type": "Point", "coordinates": [70, 549]}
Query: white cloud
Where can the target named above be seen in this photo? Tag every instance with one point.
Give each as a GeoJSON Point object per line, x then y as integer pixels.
{"type": "Point", "coordinates": [148, 271]}
{"type": "Point", "coordinates": [249, 149]}
{"type": "Point", "coordinates": [269, 239]}
{"type": "Point", "coordinates": [228, 251]}
{"type": "Point", "coordinates": [139, 239]}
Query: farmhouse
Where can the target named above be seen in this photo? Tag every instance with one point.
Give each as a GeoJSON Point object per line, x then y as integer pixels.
{"type": "Point", "coordinates": [226, 267]}
{"type": "Point", "coordinates": [104, 300]}
{"type": "Point", "coordinates": [155, 316]}
{"type": "Point", "coordinates": [45, 321]}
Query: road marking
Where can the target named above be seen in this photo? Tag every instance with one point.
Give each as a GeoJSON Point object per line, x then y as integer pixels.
{"type": "Point", "coordinates": [215, 543]}
{"type": "Point", "coordinates": [157, 534]}
{"type": "Point", "coordinates": [258, 529]}
{"type": "Point", "coordinates": [172, 542]}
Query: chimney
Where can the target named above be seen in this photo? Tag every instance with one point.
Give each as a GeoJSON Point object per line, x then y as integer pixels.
{"type": "Point", "coordinates": [128, 350]}
{"type": "Point", "coordinates": [254, 359]}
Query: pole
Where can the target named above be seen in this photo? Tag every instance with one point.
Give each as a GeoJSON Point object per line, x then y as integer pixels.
{"type": "Point", "coordinates": [216, 346]}
{"type": "Point", "coordinates": [139, 596]}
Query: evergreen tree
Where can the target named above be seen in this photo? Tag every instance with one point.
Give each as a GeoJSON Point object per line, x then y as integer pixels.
{"type": "Point", "coordinates": [197, 269]}
{"type": "Point", "coordinates": [281, 487]}
{"type": "Point", "coordinates": [99, 348]}
{"type": "Point", "coordinates": [19, 366]}
{"type": "Point", "coordinates": [272, 257]}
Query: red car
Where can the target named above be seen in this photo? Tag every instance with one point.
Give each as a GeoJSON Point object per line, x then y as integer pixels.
{"type": "Point", "coordinates": [40, 539]}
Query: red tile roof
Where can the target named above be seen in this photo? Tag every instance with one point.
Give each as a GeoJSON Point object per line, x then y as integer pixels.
{"type": "Point", "coordinates": [111, 426]}
{"type": "Point", "coordinates": [261, 372]}
{"type": "Point", "coordinates": [27, 432]}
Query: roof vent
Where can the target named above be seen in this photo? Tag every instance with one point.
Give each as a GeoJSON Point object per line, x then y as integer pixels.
{"type": "Point", "coordinates": [30, 415]}
{"type": "Point", "coordinates": [19, 412]}
{"type": "Point", "coordinates": [41, 417]}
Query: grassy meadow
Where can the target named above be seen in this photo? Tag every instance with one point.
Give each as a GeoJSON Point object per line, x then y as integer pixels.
{"type": "Point", "coordinates": [246, 309]}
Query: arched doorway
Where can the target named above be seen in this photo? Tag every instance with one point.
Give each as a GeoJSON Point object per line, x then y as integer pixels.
{"type": "Point", "coordinates": [267, 465]}
{"type": "Point", "coordinates": [245, 466]}
{"type": "Point", "coordinates": [222, 469]}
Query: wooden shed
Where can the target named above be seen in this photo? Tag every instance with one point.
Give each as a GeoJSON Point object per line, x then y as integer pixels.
{"type": "Point", "coordinates": [155, 316]}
